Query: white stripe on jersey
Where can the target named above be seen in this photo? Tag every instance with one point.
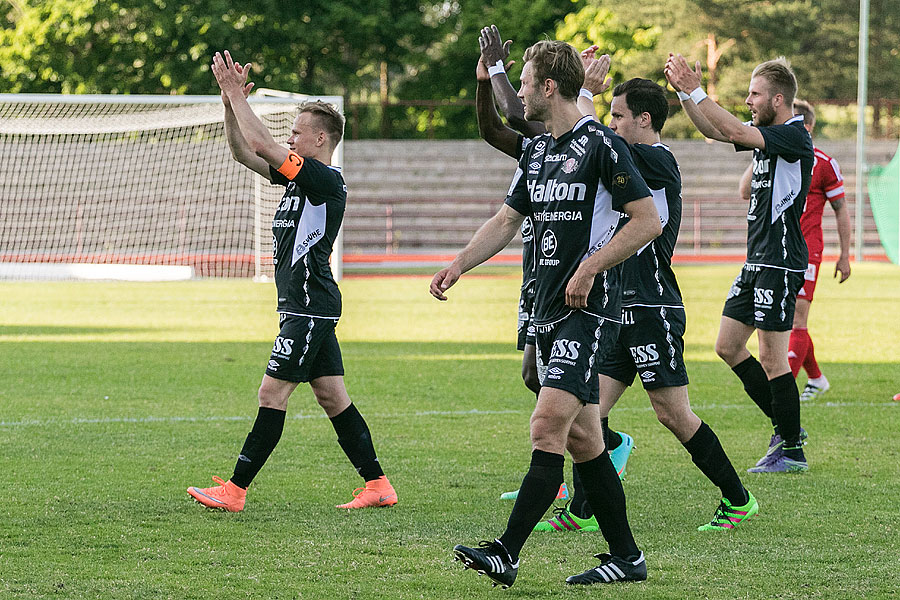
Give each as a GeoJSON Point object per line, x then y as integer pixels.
{"type": "Point", "coordinates": [603, 221]}
{"type": "Point", "coordinates": [310, 230]}
{"type": "Point", "coordinates": [786, 186]}
{"type": "Point", "coordinates": [838, 191]}
{"type": "Point", "coordinates": [662, 207]}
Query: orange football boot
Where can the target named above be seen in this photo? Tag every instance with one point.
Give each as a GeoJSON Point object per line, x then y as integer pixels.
{"type": "Point", "coordinates": [225, 496]}
{"type": "Point", "coordinates": [378, 492]}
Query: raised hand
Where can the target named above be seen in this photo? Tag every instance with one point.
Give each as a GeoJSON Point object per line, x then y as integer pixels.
{"type": "Point", "coordinates": [493, 49]}
{"type": "Point", "coordinates": [231, 77]}
{"type": "Point", "coordinates": [680, 76]}
{"type": "Point", "coordinates": [595, 74]}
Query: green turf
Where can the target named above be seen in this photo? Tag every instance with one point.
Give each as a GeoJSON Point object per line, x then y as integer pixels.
{"type": "Point", "coordinates": [116, 397]}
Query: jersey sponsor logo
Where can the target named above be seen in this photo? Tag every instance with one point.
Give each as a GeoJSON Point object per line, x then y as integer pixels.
{"type": "Point", "coordinates": [763, 297]}
{"type": "Point", "coordinates": [621, 179]}
{"type": "Point", "coordinates": [557, 190]}
{"type": "Point", "coordinates": [548, 244]}
{"type": "Point", "coordinates": [644, 355]}
{"type": "Point", "coordinates": [761, 167]}
{"type": "Point", "coordinates": [277, 223]}
{"type": "Point", "coordinates": [527, 231]}
{"type": "Point", "coordinates": [578, 146]}
{"type": "Point", "coordinates": [565, 349]}
{"type": "Point", "coordinates": [752, 208]}
{"type": "Point", "coordinates": [289, 203]}
{"type": "Point", "coordinates": [555, 158]}
{"type": "Point", "coordinates": [559, 215]}
{"type": "Point", "coordinates": [570, 165]}
{"type": "Point", "coordinates": [538, 149]}
{"type": "Point", "coordinates": [283, 346]}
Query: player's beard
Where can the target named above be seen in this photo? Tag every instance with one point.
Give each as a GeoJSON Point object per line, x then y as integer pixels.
{"type": "Point", "coordinates": [765, 115]}
{"type": "Point", "coordinates": [536, 108]}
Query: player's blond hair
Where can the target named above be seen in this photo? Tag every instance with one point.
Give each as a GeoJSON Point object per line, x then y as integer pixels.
{"type": "Point", "coordinates": [802, 107]}
{"type": "Point", "coordinates": [552, 59]}
{"type": "Point", "coordinates": [328, 118]}
{"type": "Point", "coordinates": [780, 76]}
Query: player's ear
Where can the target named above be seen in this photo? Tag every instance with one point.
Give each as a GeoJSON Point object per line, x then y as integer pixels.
{"type": "Point", "coordinates": [549, 86]}
{"type": "Point", "coordinates": [646, 119]}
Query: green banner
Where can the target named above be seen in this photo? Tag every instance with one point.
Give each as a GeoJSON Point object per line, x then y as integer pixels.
{"type": "Point", "coordinates": [884, 197]}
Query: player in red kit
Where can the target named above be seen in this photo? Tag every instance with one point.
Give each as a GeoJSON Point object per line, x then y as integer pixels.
{"type": "Point", "coordinates": [827, 187]}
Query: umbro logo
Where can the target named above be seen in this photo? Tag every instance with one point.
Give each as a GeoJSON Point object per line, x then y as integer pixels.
{"type": "Point", "coordinates": [760, 315]}
{"type": "Point", "coordinates": [534, 165]}
{"type": "Point", "coordinates": [273, 365]}
{"type": "Point", "coordinates": [648, 376]}
{"type": "Point", "coordinates": [555, 371]}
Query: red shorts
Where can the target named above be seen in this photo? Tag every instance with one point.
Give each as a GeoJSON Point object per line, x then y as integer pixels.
{"type": "Point", "coordinates": [809, 282]}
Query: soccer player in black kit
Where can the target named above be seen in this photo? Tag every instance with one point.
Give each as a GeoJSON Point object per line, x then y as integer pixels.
{"type": "Point", "coordinates": [573, 181]}
{"type": "Point", "coordinates": [763, 296]}
{"type": "Point", "coordinates": [309, 303]}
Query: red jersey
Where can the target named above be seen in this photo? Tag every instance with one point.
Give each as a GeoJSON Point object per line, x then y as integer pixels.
{"type": "Point", "coordinates": [827, 185]}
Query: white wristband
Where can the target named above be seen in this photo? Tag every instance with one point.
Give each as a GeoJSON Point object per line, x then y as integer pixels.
{"type": "Point", "coordinates": [587, 94]}
{"type": "Point", "coordinates": [682, 96]}
{"type": "Point", "coordinates": [698, 95]}
{"type": "Point", "coordinates": [496, 69]}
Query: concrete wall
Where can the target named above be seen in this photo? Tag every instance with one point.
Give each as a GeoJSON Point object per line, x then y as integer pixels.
{"type": "Point", "coordinates": [431, 196]}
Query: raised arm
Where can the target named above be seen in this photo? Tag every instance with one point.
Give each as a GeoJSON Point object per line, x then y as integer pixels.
{"type": "Point", "coordinates": [595, 80]}
{"type": "Point", "coordinates": [490, 125]}
{"type": "Point", "coordinates": [240, 150]}
{"type": "Point", "coordinates": [642, 227]}
{"type": "Point", "coordinates": [255, 133]}
{"type": "Point", "coordinates": [494, 52]}
{"type": "Point", "coordinates": [843, 228]}
{"type": "Point", "coordinates": [711, 120]}
{"type": "Point", "coordinates": [491, 238]}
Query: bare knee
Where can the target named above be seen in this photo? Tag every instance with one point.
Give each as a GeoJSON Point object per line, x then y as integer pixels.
{"type": "Point", "coordinates": [727, 350]}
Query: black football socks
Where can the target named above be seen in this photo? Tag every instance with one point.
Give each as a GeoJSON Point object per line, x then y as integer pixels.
{"type": "Point", "coordinates": [356, 441]}
{"type": "Point", "coordinates": [786, 407]}
{"type": "Point", "coordinates": [605, 494]}
{"type": "Point", "coordinates": [536, 495]}
{"type": "Point", "coordinates": [260, 443]}
{"type": "Point", "coordinates": [707, 453]}
{"type": "Point", "coordinates": [756, 384]}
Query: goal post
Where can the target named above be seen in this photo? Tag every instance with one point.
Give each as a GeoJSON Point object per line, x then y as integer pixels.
{"type": "Point", "coordinates": [134, 187]}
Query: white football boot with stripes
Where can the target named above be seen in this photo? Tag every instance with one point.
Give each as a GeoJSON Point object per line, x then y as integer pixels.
{"type": "Point", "coordinates": [612, 569]}
{"type": "Point", "coordinates": [491, 559]}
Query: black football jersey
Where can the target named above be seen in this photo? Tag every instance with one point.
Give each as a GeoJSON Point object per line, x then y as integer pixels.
{"type": "Point", "coordinates": [781, 176]}
{"type": "Point", "coordinates": [647, 277]}
{"type": "Point", "coordinates": [527, 229]}
{"type": "Point", "coordinates": [573, 187]}
{"type": "Point", "coordinates": [304, 229]}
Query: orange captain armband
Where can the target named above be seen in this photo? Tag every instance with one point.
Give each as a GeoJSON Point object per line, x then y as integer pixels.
{"type": "Point", "coordinates": [291, 165]}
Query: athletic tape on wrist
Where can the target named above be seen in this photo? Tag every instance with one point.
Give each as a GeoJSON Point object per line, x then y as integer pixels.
{"type": "Point", "coordinates": [496, 69]}
{"type": "Point", "coordinates": [698, 95]}
{"type": "Point", "coordinates": [682, 96]}
{"type": "Point", "coordinates": [587, 94]}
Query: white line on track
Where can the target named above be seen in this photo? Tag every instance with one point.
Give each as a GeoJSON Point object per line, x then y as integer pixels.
{"type": "Point", "coordinates": [425, 413]}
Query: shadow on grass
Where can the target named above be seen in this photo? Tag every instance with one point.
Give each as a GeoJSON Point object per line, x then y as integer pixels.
{"type": "Point", "coordinates": [56, 330]}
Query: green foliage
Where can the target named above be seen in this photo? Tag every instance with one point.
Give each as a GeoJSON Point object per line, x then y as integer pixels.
{"type": "Point", "coordinates": [116, 397]}
{"type": "Point", "coordinates": [427, 48]}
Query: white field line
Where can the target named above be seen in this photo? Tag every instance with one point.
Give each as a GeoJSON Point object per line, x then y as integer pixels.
{"type": "Point", "coordinates": [77, 421]}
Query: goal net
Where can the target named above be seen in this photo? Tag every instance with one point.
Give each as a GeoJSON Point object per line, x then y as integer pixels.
{"type": "Point", "coordinates": [134, 188]}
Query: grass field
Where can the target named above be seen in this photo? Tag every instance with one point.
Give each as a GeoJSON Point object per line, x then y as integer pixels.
{"type": "Point", "coordinates": [116, 397]}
